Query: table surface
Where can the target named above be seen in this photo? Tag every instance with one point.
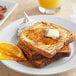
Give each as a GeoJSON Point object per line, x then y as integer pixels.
{"type": "Point", "coordinates": [32, 5]}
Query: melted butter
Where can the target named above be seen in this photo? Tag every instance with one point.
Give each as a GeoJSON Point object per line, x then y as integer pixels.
{"type": "Point", "coordinates": [38, 35]}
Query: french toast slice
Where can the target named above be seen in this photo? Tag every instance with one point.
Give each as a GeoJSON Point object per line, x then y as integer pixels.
{"type": "Point", "coordinates": [34, 37]}
{"type": "Point", "coordinates": [40, 61]}
{"type": "Point", "coordinates": [33, 55]}
{"type": "Point", "coordinates": [45, 61]}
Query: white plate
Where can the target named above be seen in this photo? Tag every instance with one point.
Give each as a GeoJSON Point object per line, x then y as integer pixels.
{"type": "Point", "coordinates": [10, 34]}
{"type": "Point", "coordinates": [10, 5]}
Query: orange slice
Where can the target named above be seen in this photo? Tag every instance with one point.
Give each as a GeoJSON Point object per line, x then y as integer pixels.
{"type": "Point", "coordinates": [11, 50]}
{"type": "Point", "coordinates": [6, 57]}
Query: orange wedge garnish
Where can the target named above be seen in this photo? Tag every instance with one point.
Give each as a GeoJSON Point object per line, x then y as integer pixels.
{"type": "Point", "coordinates": [11, 50]}
{"type": "Point", "coordinates": [6, 57]}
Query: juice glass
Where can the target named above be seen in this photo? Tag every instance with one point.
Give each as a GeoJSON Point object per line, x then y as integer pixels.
{"type": "Point", "coordinates": [49, 6]}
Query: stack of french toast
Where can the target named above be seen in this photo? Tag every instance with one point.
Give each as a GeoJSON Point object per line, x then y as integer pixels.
{"type": "Point", "coordinates": [44, 43]}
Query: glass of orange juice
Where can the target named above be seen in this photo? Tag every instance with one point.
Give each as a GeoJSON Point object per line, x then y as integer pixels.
{"type": "Point", "coordinates": [49, 6]}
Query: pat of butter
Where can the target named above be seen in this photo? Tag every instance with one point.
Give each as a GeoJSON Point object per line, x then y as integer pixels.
{"type": "Point", "coordinates": [52, 33]}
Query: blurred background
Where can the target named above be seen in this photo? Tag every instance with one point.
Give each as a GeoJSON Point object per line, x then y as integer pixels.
{"type": "Point", "coordinates": [31, 8]}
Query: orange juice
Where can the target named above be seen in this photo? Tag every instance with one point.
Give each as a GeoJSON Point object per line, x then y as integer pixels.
{"type": "Point", "coordinates": [50, 4]}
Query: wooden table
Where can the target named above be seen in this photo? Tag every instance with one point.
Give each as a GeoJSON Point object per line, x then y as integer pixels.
{"type": "Point", "coordinates": [31, 8]}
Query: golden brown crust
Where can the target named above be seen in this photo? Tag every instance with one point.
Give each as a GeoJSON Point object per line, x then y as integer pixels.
{"type": "Point", "coordinates": [46, 61]}
{"type": "Point", "coordinates": [33, 55]}
{"type": "Point", "coordinates": [43, 61]}
{"type": "Point", "coordinates": [53, 49]}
